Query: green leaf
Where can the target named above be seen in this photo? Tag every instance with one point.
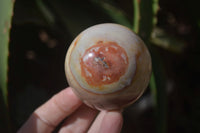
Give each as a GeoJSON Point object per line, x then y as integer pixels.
{"type": "Point", "coordinates": [116, 14]}
{"type": "Point", "coordinates": [144, 21]}
{"type": "Point", "coordinates": [6, 10]}
{"type": "Point", "coordinates": [46, 12]}
{"type": "Point", "coordinates": [136, 17]}
{"type": "Point", "coordinates": [144, 18]}
{"type": "Point", "coordinates": [74, 17]}
{"type": "Point", "coordinates": [158, 90]}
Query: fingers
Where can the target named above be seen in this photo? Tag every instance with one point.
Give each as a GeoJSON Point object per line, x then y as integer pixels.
{"type": "Point", "coordinates": [63, 104]}
{"type": "Point", "coordinates": [97, 123]}
{"type": "Point", "coordinates": [107, 122]}
{"type": "Point", "coordinates": [111, 123]}
{"type": "Point", "coordinates": [50, 114]}
{"type": "Point", "coordinates": [79, 121]}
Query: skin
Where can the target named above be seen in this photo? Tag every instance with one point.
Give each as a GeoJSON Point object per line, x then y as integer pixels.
{"type": "Point", "coordinates": [77, 117]}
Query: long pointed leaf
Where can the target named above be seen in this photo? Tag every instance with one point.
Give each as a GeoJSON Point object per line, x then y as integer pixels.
{"type": "Point", "coordinates": [144, 22]}
{"type": "Point", "coordinates": [6, 9]}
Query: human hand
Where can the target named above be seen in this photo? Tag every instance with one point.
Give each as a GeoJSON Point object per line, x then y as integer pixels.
{"type": "Point", "coordinates": [78, 118]}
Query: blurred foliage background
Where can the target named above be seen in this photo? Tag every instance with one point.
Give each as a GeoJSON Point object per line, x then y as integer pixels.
{"type": "Point", "coordinates": [32, 57]}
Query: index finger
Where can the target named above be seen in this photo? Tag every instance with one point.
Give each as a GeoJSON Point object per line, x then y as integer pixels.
{"type": "Point", "coordinates": [49, 115]}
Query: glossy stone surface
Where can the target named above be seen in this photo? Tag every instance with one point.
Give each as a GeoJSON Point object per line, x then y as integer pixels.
{"type": "Point", "coordinates": [108, 66]}
{"type": "Point", "coordinates": [103, 63]}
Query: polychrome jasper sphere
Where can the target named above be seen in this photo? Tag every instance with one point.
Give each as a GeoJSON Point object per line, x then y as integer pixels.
{"type": "Point", "coordinates": [108, 66]}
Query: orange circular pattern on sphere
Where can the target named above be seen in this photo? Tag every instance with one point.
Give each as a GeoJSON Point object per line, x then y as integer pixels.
{"type": "Point", "coordinates": [104, 63]}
